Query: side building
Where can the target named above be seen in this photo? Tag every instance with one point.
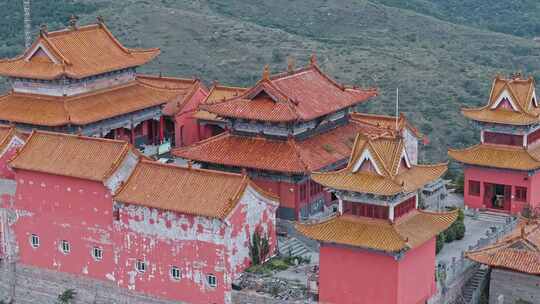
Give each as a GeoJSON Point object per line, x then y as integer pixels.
{"type": "Point", "coordinates": [379, 248]}
{"type": "Point", "coordinates": [285, 127]}
{"type": "Point", "coordinates": [514, 264]}
{"type": "Point", "coordinates": [501, 172]}
{"type": "Point", "coordinates": [99, 209]}
{"type": "Point", "coordinates": [82, 80]}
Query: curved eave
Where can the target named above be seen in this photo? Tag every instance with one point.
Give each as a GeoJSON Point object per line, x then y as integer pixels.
{"type": "Point", "coordinates": [519, 119]}
{"type": "Point", "coordinates": [459, 156]}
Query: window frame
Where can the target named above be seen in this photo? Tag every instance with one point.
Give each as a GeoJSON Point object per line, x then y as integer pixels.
{"type": "Point", "coordinates": [65, 247]}
{"type": "Point", "coordinates": [211, 277]}
{"type": "Point", "coordinates": [139, 263]}
{"type": "Point", "coordinates": [172, 273]}
{"type": "Point", "coordinates": [96, 249]}
{"type": "Point", "coordinates": [33, 237]}
{"type": "Point", "coordinates": [522, 191]}
{"type": "Point", "coordinates": [470, 192]}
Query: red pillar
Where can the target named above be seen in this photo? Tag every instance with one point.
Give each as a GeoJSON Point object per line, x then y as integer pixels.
{"type": "Point", "coordinates": [132, 135]}
{"type": "Point", "coordinates": [161, 129]}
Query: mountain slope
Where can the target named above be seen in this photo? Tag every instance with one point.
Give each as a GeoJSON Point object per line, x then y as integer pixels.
{"type": "Point", "coordinates": [439, 66]}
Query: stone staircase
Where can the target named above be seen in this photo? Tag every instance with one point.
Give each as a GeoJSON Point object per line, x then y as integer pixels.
{"type": "Point", "coordinates": [493, 217]}
{"type": "Point", "coordinates": [291, 246]}
{"type": "Point", "coordinates": [473, 288]}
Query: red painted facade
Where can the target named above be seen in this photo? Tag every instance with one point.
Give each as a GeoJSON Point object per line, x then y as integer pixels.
{"type": "Point", "coordinates": [362, 276]}
{"type": "Point", "coordinates": [58, 208]}
{"type": "Point", "coordinates": [508, 183]}
{"type": "Point", "coordinates": [186, 127]}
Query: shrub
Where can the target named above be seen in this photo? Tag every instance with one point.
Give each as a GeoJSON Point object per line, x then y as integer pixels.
{"type": "Point", "coordinates": [459, 230]}
{"type": "Point", "coordinates": [439, 244]}
{"type": "Point", "coordinates": [67, 296]}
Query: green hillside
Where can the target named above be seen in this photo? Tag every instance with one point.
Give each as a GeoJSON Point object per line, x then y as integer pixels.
{"type": "Point", "coordinates": [441, 54]}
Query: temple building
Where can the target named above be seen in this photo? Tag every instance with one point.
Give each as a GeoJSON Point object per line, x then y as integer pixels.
{"type": "Point", "coordinates": [284, 127]}
{"type": "Point", "coordinates": [98, 209]}
{"type": "Point", "coordinates": [82, 80]}
{"type": "Point", "coordinates": [379, 248]}
{"type": "Point", "coordinates": [501, 172]}
{"type": "Point", "coordinates": [515, 265]}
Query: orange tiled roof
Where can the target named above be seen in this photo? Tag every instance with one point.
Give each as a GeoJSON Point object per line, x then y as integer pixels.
{"type": "Point", "coordinates": [301, 95]}
{"type": "Point", "coordinates": [520, 251]}
{"type": "Point", "coordinates": [498, 156]}
{"type": "Point", "coordinates": [383, 122]}
{"type": "Point", "coordinates": [185, 190]}
{"type": "Point", "coordinates": [289, 156]}
{"type": "Point", "coordinates": [183, 88]}
{"type": "Point", "coordinates": [408, 232]}
{"type": "Point", "coordinates": [70, 155]}
{"type": "Point", "coordinates": [75, 53]}
{"type": "Point", "coordinates": [6, 134]}
{"type": "Point", "coordinates": [217, 93]}
{"type": "Point", "coordinates": [387, 154]}
{"type": "Point", "coordinates": [144, 92]}
{"type": "Point", "coordinates": [521, 91]}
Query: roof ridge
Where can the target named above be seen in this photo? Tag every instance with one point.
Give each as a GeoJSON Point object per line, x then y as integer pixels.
{"type": "Point", "coordinates": [67, 30]}
{"type": "Point", "coordinates": [55, 49]}
{"type": "Point", "coordinates": [200, 170]}
{"type": "Point", "coordinates": [178, 79]}
{"type": "Point", "coordinates": [82, 137]}
{"type": "Point", "coordinates": [296, 150]}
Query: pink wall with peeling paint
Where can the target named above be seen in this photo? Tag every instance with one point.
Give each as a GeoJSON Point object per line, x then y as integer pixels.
{"type": "Point", "coordinates": [350, 275]}
{"type": "Point", "coordinates": [60, 208]}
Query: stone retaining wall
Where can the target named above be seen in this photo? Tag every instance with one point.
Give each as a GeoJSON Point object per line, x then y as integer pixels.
{"type": "Point", "coordinates": [29, 285]}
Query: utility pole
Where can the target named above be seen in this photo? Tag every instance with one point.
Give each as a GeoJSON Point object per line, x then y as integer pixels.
{"type": "Point", "coordinates": [27, 24]}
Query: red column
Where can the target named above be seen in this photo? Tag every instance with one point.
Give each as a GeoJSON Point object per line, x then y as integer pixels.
{"type": "Point", "coordinates": [161, 129]}
{"type": "Point", "coordinates": [132, 135]}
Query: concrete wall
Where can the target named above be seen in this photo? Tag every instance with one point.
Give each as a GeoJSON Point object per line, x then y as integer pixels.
{"type": "Point", "coordinates": [513, 286]}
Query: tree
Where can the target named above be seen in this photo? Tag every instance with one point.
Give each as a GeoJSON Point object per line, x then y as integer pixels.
{"type": "Point", "coordinates": [259, 249]}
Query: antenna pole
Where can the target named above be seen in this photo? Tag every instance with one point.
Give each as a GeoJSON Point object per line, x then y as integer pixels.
{"type": "Point", "coordinates": [397, 107]}
{"type": "Point", "coordinates": [27, 24]}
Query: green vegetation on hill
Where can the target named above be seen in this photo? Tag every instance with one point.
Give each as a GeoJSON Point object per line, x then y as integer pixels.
{"type": "Point", "coordinates": [441, 54]}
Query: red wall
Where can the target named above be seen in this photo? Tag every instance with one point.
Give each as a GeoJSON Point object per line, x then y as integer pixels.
{"type": "Point", "coordinates": [499, 176]}
{"type": "Point", "coordinates": [417, 275]}
{"type": "Point", "coordinates": [287, 192]}
{"type": "Point", "coordinates": [186, 127]}
{"type": "Point", "coordinates": [351, 276]}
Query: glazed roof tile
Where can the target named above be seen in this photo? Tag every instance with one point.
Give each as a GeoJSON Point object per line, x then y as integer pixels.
{"type": "Point", "coordinates": [390, 179]}
{"type": "Point", "coordinates": [42, 110]}
{"type": "Point", "coordinates": [520, 251]}
{"type": "Point", "coordinates": [71, 155]}
{"type": "Point", "coordinates": [301, 95]}
{"type": "Point", "coordinates": [184, 190]}
{"type": "Point", "coordinates": [499, 156]}
{"type": "Point", "coordinates": [76, 53]}
{"type": "Point", "coordinates": [385, 123]}
{"type": "Point", "coordinates": [6, 134]}
{"type": "Point", "coordinates": [288, 156]}
{"type": "Point", "coordinates": [410, 231]}
{"type": "Point", "coordinates": [521, 91]}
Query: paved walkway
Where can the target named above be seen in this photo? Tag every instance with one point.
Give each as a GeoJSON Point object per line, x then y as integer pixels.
{"type": "Point", "coordinates": [475, 229]}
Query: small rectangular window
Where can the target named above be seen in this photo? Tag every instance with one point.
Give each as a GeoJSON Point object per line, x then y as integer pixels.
{"type": "Point", "coordinates": [474, 188]}
{"type": "Point", "coordinates": [65, 247]}
{"type": "Point", "coordinates": [34, 241]}
{"type": "Point", "coordinates": [212, 280]}
{"type": "Point", "coordinates": [521, 194]}
{"type": "Point", "coordinates": [97, 253]}
{"type": "Point", "coordinates": [140, 266]}
{"type": "Point", "coordinates": [175, 273]}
